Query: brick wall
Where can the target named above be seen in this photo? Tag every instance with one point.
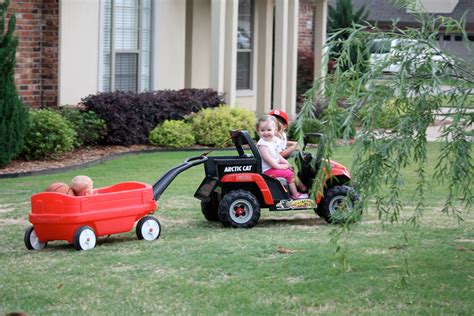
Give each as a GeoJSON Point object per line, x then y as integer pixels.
{"type": "Point", "coordinates": [306, 25]}
{"type": "Point", "coordinates": [36, 74]}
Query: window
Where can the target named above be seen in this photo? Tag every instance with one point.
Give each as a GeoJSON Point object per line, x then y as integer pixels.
{"type": "Point", "coordinates": [125, 45]}
{"type": "Point", "coordinates": [245, 45]}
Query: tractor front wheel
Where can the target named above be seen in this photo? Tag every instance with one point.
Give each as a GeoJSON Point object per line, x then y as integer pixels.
{"type": "Point", "coordinates": [239, 209]}
{"type": "Point", "coordinates": [338, 205]}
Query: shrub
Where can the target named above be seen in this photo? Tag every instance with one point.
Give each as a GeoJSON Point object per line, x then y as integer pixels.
{"type": "Point", "coordinates": [90, 129]}
{"type": "Point", "coordinates": [48, 136]}
{"type": "Point", "coordinates": [387, 117]}
{"type": "Point", "coordinates": [13, 115]}
{"type": "Point", "coordinates": [130, 117]}
{"type": "Point", "coordinates": [172, 133]}
{"type": "Point", "coordinates": [310, 125]}
{"type": "Point", "coordinates": [212, 126]}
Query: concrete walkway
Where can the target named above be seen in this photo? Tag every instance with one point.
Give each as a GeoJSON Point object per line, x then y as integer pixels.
{"type": "Point", "coordinates": [442, 120]}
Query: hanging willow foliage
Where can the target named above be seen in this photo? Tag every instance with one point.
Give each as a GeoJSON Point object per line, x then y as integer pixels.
{"type": "Point", "coordinates": [427, 79]}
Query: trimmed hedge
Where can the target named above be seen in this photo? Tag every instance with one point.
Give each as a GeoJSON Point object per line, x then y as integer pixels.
{"type": "Point", "coordinates": [48, 136]}
{"type": "Point", "coordinates": [172, 133]}
{"type": "Point", "coordinates": [212, 126]}
{"type": "Point", "coordinates": [130, 117]}
{"type": "Point", "coordinates": [89, 127]}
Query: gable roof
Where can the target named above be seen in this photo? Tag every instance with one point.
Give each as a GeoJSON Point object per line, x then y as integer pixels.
{"type": "Point", "coordinates": [385, 11]}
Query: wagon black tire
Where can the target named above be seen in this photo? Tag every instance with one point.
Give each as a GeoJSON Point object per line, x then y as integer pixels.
{"type": "Point", "coordinates": [148, 228]}
{"type": "Point", "coordinates": [239, 209]}
{"type": "Point", "coordinates": [338, 205]}
{"type": "Point", "coordinates": [209, 211]}
{"type": "Point", "coordinates": [84, 238]}
{"type": "Point", "coordinates": [31, 240]}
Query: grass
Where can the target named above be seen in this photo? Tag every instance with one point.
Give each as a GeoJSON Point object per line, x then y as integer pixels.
{"type": "Point", "coordinates": [198, 267]}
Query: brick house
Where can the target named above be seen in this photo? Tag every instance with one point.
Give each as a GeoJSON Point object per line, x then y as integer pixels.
{"type": "Point", "coordinates": [384, 12]}
{"type": "Point", "coordinates": [37, 53]}
{"type": "Point", "coordinates": [72, 48]}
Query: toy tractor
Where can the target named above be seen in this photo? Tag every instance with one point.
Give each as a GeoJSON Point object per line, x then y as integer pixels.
{"type": "Point", "coordinates": [235, 189]}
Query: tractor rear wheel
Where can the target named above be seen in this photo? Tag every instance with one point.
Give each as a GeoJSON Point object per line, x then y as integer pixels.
{"type": "Point", "coordinates": [338, 205]}
{"type": "Point", "coordinates": [239, 209]}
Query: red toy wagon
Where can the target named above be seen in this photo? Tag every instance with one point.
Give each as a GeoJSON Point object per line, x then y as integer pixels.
{"type": "Point", "coordinates": [110, 210]}
{"type": "Point", "coordinates": [81, 219]}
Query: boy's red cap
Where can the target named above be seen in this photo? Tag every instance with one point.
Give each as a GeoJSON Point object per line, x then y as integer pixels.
{"type": "Point", "coordinates": [280, 115]}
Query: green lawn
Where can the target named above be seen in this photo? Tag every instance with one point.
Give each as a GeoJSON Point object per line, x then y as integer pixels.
{"type": "Point", "coordinates": [198, 267]}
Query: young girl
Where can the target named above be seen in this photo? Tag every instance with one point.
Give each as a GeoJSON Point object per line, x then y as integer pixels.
{"type": "Point", "coordinates": [273, 164]}
{"type": "Point", "coordinates": [284, 147]}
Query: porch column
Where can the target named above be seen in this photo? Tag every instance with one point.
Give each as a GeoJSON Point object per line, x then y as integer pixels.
{"type": "Point", "coordinates": [320, 21]}
{"type": "Point", "coordinates": [291, 72]}
{"type": "Point", "coordinates": [230, 63]}
{"type": "Point", "coordinates": [188, 47]}
{"type": "Point", "coordinates": [281, 55]}
{"type": "Point", "coordinates": [216, 61]}
{"type": "Point", "coordinates": [264, 62]}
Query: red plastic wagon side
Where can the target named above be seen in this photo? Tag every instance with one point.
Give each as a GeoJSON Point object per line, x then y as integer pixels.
{"type": "Point", "coordinates": [81, 219]}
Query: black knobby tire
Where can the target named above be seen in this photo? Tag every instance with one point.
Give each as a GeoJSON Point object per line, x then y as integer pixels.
{"type": "Point", "coordinates": [239, 209]}
{"type": "Point", "coordinates": [148, 228]}
{"type": "Point", "coordinates": [84, 238]}
{"type": "Point", "coordinates": [338, 205]}
{"type": "Point", "coordinates": [210, 210]}
{"type": "Point", "coordinates": [31, 240]}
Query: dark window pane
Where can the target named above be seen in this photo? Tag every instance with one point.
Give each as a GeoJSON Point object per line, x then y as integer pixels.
{"type": "Point", "coordinates": [243, 70]}
{"type": "Point", "coordinates": [244, 26]}
{"type": "Point", "coordinates": [126, 72]}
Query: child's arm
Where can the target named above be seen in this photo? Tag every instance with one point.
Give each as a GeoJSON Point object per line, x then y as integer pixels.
{"type": "Point", "coordinates": [283, 161]}
{"type": "Point", "coordinates": [268, 158]}
{"type": "Point", "coordinates": [291, 146]}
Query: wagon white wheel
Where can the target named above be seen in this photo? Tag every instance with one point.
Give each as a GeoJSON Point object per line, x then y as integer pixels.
{"type": "Point", "coordinates": [148, 228]}
{"type": "Point", "coordinates": [84, 238]}
{"type": "Point", "coordinates": [31, 240]}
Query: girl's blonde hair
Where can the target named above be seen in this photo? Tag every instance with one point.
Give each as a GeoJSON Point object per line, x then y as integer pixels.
{"type": "Point", "coordinates": [267, 118]}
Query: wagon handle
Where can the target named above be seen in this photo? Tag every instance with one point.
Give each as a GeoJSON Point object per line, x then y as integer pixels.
{"type": "Point", "coordinates": [164, 181]}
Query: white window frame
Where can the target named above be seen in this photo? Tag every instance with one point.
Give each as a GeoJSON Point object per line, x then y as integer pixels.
{"type": "Point", "coordinates": [251, 91]}
{"type": "Point", "coordinates": [110, 69]}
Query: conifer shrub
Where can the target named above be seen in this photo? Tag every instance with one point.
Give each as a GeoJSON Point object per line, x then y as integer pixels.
{"type": "Point", "coordinates": [212, 126]}
{"type": "Point", "coordinates": [49, 135]}
{"type": "Point", "coordinates": [172, 133]}
{"type": "Point", "coordinates": [13, 115]}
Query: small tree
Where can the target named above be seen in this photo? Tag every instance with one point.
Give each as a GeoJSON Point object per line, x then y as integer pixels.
{"type": "Point", "coordinates": [417, 93]}
{"type": "Point", "coordinates": [13, 115]}
{"type": "Point", "coordinates": [340, 19]}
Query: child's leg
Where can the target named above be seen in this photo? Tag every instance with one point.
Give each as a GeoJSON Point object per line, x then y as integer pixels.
{"type": "Point", "coordinates": [293, 190]}
{"type": "Point", "coordinates": [288, 175]}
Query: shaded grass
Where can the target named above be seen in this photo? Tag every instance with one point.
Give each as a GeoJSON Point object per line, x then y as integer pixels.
{"type": "Point", "coordinates": [198, 267]}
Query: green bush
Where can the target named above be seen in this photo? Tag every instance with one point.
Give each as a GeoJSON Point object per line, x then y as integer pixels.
{"type": "Point", "coordinates": [90, 129]}
{"type": "Point", "coordinates": [212, 126]}
{"type": "Point", "coordinates": [387, 117]}
{"type": "Point", "coordinates": [310, 125]}
{"type": "Point", "coordinates": [172, 133]}
{"type": "Point", "coordinates": [48, 136]}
